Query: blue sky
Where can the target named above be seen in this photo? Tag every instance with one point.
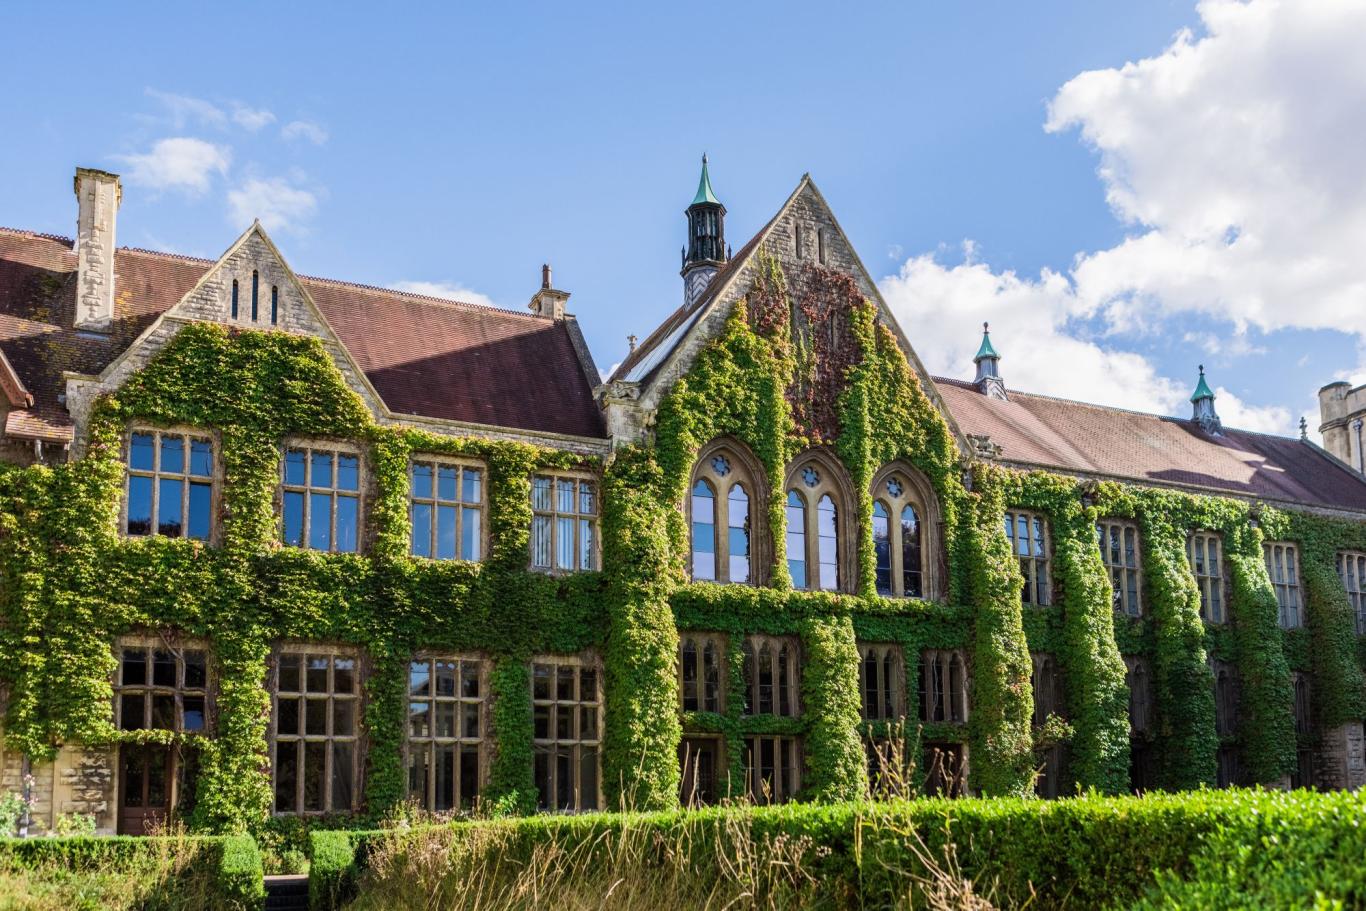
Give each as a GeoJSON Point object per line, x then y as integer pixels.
{"type": "Point", "coordinates": [1116, 230]}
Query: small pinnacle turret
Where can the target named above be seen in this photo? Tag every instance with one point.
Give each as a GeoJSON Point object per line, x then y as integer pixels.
{"type": "Point", "coordinates": [989, 381]}
{"type": "Point", "coordinates": [706, 252]}
{"type": "Point", "coordinates": [1203, 412]}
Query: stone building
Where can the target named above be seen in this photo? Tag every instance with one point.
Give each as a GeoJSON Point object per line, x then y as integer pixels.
{"type": "Point", "coordinates": [365, 545]}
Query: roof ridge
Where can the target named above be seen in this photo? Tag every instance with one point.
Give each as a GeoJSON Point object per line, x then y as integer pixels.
{"type": "Point", "coordinates": [966, 384]}
{"type": "Point", "coordinates": [343, 283]}
{"type": "Point", "coordinates": [420, 298]}
{"type": "Point", "coordinates": [43, 234]}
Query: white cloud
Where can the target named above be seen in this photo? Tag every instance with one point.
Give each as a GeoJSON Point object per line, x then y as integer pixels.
{"type": "Point", "coordinates": [1034, 324]}
{"type": "Point", "coordinates": [279, 204]}
{"type": "Point", "coordinates": [1236, 157]}
{"type": "Point", "coordinates": [304, 129]}
{"type": "Point", "coordinates": [446, 290]}
{"type": "Point", "coordinates": [178, 163]}
{"type": "Point", "coordinates": [251, 119]}
{"type": "Point", "coordinates": [183, 109]}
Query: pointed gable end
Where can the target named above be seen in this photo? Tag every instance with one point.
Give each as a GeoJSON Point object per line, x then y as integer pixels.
{"type": "Point", "coordinates": [803, 235]}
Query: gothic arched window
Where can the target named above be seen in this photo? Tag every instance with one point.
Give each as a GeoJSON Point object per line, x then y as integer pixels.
{"type": "Point", "coordinates": [818, 523]}
{"type": "Point", "coordinates": [905, 521]}
{"type": "Point", "coordinates": [723, 512]}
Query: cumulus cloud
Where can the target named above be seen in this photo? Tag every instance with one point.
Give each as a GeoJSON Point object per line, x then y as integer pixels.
{"type": "Point", "coordinates": [1035, 323]}
{"type": "Point", "coordinates": [1236, 157]}
{"type": "Point", "coordinates": [178, 163]}
{"type": "Point", "coordinates": [1233, 157]}
{"type": "Point", "coordinates": [280, 204]}
{"type": "Point", "coordinates": [304, 129]}
{"type": "Point", "coordinates": [446, 290]}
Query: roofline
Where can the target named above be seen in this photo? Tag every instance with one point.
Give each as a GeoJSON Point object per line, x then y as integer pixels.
{"type": "Point", "coordinates": [13, 384]}
{"type": "Point", "coordinates": [1341, 512]}
{"type": "Point", "coordinates": [954, 381]}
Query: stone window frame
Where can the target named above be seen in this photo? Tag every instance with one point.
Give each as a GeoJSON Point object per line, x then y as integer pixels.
{"type": "Point", "coordinates": [177, 645]}
{"type": "Point", "coordinates": [1046, 685]}
{"type": "Point", "coordinates": [749, 474]}
{"type": "Point", "coordinates": [1209, 579]}
{"type": "Point", "coordinates": [917, 492]}
{"type": "Point", "coordinates": [1351, 565]}
{"type": "Point", "coordinates": [822, 247]}
{"type": "Point", "coordinates": [888, 702]}
{"type": "Point", "coordinates": [188, 433]}
{"type": "Point", "coordinates": [688, 790]}
{"type": "Point", "coordinates": [338, 448]}
{"type": "Point", "coordinates": [577, 743]}
{"type": "Point", "coordinates": [784, 682]}
{"type": "Point", "coordinates": [704, 699]}
{"type": "Point", "coordinates": [1138, 679]}
{"type": "Point", "coordinates": [1037, 558]}
{"type": "Point", "coordinates": [1283, 566]}
{"type": "Point", "coordinates": [939, 670]}
{"type": "Point", "coordinates": [832, 481]}
{"type": "Point", "coordinates": [553, 513]}
{"type": "Point", "coordinates": [1126, 575]}
{"type": "Point", "coordinates": [432, 741]}
{"type": "Point", "coordinates": [462, 463]}
{"type": "Point", "coordinates": [1226, 698]}
{"type": "Point", "coordinates": [356, 697]}
{"type": "Point", "coordinates": [787, 777]}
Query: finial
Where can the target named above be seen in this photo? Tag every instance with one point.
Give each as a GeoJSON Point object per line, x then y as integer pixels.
{"type": "Point", "coordinates": [631, 340]}
{"type": "Point", "coordinates": [545, 275]}
{"type": "Point", "coordinates": [1304, 428]}
{"type": "Point", "coordinates": [986, 327]}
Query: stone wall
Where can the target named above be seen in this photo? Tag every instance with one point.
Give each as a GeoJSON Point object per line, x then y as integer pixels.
{"type": "Point", "coordinates": [79, 780]}
{"type": "Point", "coordinates": [1342, 760]}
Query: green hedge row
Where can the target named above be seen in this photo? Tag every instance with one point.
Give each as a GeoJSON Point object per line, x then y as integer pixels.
{"type": "Point", "coordinates": [229, 865]}
{"type": "Point", "coordinates": [1232, 849]}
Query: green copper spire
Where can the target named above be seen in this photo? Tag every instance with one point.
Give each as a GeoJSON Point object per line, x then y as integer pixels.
{"type": "Point", "coordinates": [1202, 391]}
{"type": "Point", "coordinates": [986, 350]}
{"type": "Point", "coordinates": [704, 193]}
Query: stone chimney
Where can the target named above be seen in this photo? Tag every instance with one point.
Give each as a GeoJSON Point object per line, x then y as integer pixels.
{"type": "Point", "coordinates": [1342, 412]}
{"type": "Point", "coordinates": [548, 302]}
{"type": "Point", "coordinates": [98, 194]}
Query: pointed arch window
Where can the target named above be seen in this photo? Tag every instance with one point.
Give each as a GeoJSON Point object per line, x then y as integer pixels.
{"type": "Point", "coordinates": [701, 661]}
{"type": "Point", "coordinates": [1027, 533]}
{"type": "Point", "coordinates": [943, 687]}
{"type": "Point", "coordinates": [1203, 551]}
{"type": "Point", "coordinates": [818, 524]}
{"type": "Point", "coordinates": [722, 515]}
{"type": "Point", "coordinates": [905, 515]}
{"type": "Point", "coordinates": [772, 676]}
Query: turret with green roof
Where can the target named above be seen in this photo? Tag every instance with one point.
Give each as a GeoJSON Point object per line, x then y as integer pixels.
{"type": "Point", "coordinates": [989, 380]}
{"type": "Point", "coordinates": [706, 251]}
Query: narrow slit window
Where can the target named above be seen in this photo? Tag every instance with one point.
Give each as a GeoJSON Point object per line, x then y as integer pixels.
{"type": "Point", "coordinates": [234, 298]}
{"type": "Point", "coordinates": [255, 284]}
{"type": "Point", "coordinates": [274, 304]}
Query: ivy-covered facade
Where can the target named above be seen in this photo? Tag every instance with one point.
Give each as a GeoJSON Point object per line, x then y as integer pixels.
{"type": "Point", "coordinates": [274, 552]}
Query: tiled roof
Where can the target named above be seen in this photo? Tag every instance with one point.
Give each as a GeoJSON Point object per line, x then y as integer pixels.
{"type": "Point", "coordinates": [426, 357]}
{"type": "Point", "coordinates": [1095, 440]}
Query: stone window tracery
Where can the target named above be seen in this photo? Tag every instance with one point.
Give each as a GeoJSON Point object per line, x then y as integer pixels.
{"type": "Point", "coordinates": [701, 671]}
{"type": "Point", "coordinates": [905, 525]}
{"type": "Point", "coordinates": [882, 686]}
{"type": "Point", "coordinates": [772, 675]}
{"type": "Point", "coordinates": [723, 514]}
{"type": "Point", "coordinates": [818, 524]}
{"type": "Point", "coordinates": [943, 686]}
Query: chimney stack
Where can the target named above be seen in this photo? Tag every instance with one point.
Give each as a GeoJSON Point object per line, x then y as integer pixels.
{"type": "Point", "coordinates": [548, 302]}
{"type": "Point", "coordinates": [98, 194]}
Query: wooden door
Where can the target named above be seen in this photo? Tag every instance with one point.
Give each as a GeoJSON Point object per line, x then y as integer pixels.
{"type": "Point", "coordinates": [146, 777]}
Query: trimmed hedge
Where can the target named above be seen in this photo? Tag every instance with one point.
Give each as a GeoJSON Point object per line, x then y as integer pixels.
{"type": "Point", "coordinates": [335, 859]}
{"type": "Point", "coordinates": [1200, 849]}
{"type": "Point", "coordinates": [231, 864]}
